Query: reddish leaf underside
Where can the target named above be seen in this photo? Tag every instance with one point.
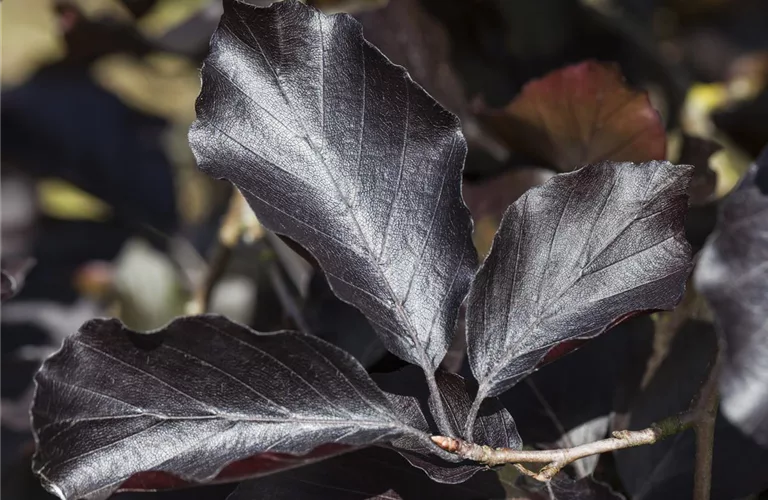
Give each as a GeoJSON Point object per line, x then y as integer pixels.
{"type": "Point", "coordinates": [569, 346]}
{"type": "Point", "coordinates": [253, 467]}
{"type": "Point", "coordinates": [578, 115]}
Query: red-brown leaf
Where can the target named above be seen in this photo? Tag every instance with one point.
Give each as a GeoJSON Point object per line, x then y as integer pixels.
{"type": "Point", "coordinates": [578, 115]}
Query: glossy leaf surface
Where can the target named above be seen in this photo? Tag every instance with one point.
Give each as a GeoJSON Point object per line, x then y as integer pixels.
{"type": "Point", "coordinates": [188, 400]}
{"type": "Point", "coordinates": [489, 199]}
{"type": "Point", "coordinates": [573, 257]}
{"type": "Point", "coordinates": [732, 274]}
{"type": "Point", "coordinates": [337, 148]}
{"type": "Point", "coordinates": [579, 115]}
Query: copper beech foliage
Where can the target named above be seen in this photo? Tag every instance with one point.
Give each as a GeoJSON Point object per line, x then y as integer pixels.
{"type": "Point", "coordinates": [571, 117]}
{"type": "Point", "coordinates": [340, 150]}
{"type": "Point", "coordinates": [579, 115]}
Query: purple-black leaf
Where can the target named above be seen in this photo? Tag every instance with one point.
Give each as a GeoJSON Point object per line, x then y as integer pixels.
{"type": "Point", "coordinates": [194, 397]}
{"type": "Point", "coordinates": [338, 149]}
{"type": "Point", "coordinates": [574, 257]}
{"type": "Point", "coordinates": [372, 473]}
{"type": "Point", "coordinates": [408, 392]}
{"type": "Point", "coordinates": [732, 274]}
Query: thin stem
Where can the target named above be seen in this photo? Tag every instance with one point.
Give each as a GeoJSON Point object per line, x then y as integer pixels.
{"type": "Point", "coordinates": [201, 300]}
{"type": "Point", "coordinates": [706, 406]}
{"type": "Point", "coordinates": [439, 412]}
{"type": "Point", "coordinates": [287, 299]}
{"type": "Point", "coordinates": [473, 412]}
{"type": "Point", "coordinates": [233, 227]}
{"type": "Point", "coordinates": [557, 459]}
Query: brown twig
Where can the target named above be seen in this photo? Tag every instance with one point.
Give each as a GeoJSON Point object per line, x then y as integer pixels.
{"type": "Point", "coordinates": [238, 223]}
{"type": "Point", "coordinates": [557, 459]}
{"type": "Point", "coordinates": [705, 406]}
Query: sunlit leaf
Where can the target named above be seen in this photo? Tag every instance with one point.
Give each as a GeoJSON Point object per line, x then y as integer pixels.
{"type": "Point", "coordinates": [338, 149]}
{"type": "Point", "coordinates": [574, 257]}
{"type": "Point", "coordinates": [193, 398]}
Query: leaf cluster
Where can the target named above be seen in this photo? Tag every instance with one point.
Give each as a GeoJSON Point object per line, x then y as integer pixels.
{"type": "Point", "coordinates": [338, 149]}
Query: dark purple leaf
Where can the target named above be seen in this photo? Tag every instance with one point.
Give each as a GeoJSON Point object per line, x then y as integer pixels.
{"type": "Point", "coordinates": [732, 274]}
{"type": "Point", "coordinates": [338, 149]}
{"type": "Point", "coordinates": [561, 487]}
{"type": "Point", "coordinates": [574, 257]}
{"type": "Point", "coordinates": [194, 397]}
{"type": "Point", "coordinates": [12, 277]}
{"type": "Point", "coordinates": [372, 473]}
{"type": "Point", "coordinates": [665, 469]}
{"type": "Point", "coordinates": [408, 392]}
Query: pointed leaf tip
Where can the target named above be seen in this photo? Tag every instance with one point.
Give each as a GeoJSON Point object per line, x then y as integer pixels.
{"type": "Point", "coordinates": [338, 149]}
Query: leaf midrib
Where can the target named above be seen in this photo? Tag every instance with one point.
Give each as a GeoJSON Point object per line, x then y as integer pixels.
{"type": "Point", "coordinates": [397, 307]}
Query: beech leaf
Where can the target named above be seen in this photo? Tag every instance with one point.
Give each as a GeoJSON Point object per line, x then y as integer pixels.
{"type": "Point", "coordinates": [578, 115]}
{"type": "Point", "coordinates": [572, 258]}
{"type": "Point", "coordinates": [489, 199]}
{"type": "Point", "coordinates": [192, 398]}
{"type": "Point", "coordinates": [338, 149]}
{"type": "Point", "coordinates": [732, 274]}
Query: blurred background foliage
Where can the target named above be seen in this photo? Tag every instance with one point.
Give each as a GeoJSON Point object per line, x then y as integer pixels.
{"type": "Point", "coordinates": [100, 190]}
